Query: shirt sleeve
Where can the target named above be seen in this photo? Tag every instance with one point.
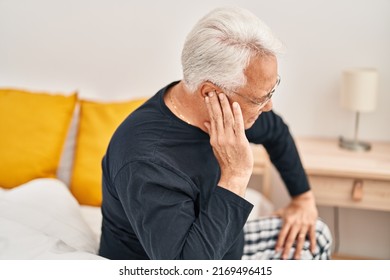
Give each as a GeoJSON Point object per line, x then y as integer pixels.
{"type": "Point", "coordinates": [271, 131]}
{"type": "Point", "coordinates": [161, 205]}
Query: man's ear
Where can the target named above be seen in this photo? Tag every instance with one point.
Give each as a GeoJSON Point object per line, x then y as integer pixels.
{"type": "Point", "coordinates": [207, 87]}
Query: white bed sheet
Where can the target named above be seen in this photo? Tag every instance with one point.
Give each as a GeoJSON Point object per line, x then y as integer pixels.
{"type": "Point", "coordinates": [93, 217]}
{"type": "Point", "coordinates": [42, 220]}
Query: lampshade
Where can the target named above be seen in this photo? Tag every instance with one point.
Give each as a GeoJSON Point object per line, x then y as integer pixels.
{"type": "Point", "coordinates": [359, 89]}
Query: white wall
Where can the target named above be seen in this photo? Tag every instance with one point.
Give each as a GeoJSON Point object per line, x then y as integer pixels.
{"type": "Point", "coordinates": [118, 49]}
{"type": "Point", "coordinates": [121, 48]}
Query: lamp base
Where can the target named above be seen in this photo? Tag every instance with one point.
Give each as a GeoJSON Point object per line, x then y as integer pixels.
{"type": "Point", "coordinates": [354, 145]}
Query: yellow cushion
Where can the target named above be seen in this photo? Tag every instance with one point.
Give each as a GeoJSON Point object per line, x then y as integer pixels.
{"type": "Point", "coordinates": [33, 128]}
{"type": "Point", "coordinates": [97, 123]}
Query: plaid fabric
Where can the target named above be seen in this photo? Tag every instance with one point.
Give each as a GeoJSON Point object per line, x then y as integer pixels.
{"type": "Point", "coordinates": [261, 236]}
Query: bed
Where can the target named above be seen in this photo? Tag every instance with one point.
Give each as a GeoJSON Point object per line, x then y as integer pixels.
{"type": "Point", "coordinates": [42, 220]}
{"type": "Point", "coordinates": [51, 147]}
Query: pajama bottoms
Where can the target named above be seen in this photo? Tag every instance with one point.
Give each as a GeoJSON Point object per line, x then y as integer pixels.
{"type": "Point", "coordinates": [261, 236]}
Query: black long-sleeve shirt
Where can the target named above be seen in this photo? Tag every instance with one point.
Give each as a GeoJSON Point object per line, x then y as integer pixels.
{"type": "Point", "coordinates": [160, 194]}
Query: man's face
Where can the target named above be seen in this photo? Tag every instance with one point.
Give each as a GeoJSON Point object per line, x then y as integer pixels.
{"type": "Point", "coordinates": [255, 97]}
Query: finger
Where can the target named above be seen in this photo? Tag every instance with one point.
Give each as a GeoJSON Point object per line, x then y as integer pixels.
{"type": "Point", "coordinates": [211, 128]}
{"type": "Point", "coordinates": [313, 238]}
{"type": "Point", "coordinates": [228, 118]}
{"type": "Point", "coordinates": [300, 241]}
{"type": "Point", "coordinates": [291, 237]}
{"type": "Point", "coordinates": [239, 127]}
{"type": "Point", "coordinates": [216, 113]}
{"type": "Point", "coordinates": [282, 237]}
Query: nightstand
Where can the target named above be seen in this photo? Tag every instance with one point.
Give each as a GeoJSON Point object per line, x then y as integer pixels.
{"type": "Point", "coordinates": [338, 177]}
{"type": "Point", "coordinates": [344, 178]}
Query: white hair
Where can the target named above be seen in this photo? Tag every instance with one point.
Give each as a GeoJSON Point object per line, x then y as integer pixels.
{"type": "Point", "coordinates": [220, 46]}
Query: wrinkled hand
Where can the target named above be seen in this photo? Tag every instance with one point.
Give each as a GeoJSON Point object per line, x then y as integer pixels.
{"type": "Point", "coordinates": [299, 222]}
{"type": "Point", "coordinates": [229, 142]}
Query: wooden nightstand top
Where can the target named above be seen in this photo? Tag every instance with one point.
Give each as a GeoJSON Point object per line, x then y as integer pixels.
{"type": "Point", "coordinates": [322, 156]}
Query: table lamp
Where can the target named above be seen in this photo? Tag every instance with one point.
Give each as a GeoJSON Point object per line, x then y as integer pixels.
{"type": "Point", "coordinates": [359, 89]}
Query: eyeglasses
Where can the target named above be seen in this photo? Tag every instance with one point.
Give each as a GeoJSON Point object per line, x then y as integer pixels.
{"type": "Point", "coordinates": [265, 98]}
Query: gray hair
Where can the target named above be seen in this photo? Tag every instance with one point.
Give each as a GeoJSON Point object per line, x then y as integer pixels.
{"type": "Point", "coordinates": [220, 46]}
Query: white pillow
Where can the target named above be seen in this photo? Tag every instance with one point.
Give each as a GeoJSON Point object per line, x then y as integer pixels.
{"type": "Point", "coordinates": [42, 220]}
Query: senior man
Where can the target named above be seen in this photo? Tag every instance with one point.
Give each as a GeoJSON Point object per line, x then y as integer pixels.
{"type": "Point", "coordinates": [176, 170]}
